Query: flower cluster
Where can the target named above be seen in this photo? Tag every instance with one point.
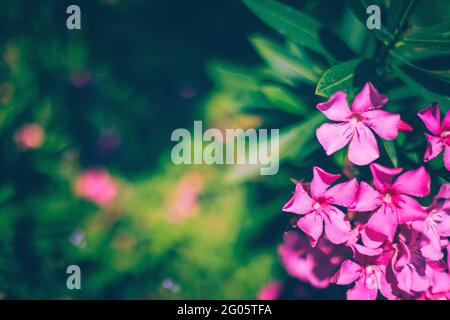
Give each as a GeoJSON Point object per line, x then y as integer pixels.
{"type": "Point", "coordinates": [374, 237]}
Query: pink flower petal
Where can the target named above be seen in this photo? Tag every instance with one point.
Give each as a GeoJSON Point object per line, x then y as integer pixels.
{"type": "Point", "coordinates": [321, 181]}
{"type": "Point", "coordinates": [415, 182]}
{"type": "Point", "coordinates": [409, 279]}
{"type": "Point", "coordinates": [404, 279]}
{"type": "Point", "coordinates": [444, 193]}
{"type": "Point", "coordinates": [369, 98]}
{"type": "Point", "coordinates": [371, 239]}
{"type": "Point", "coordinates": [440, 281]}
{"type": "Point", "coordinates": [359, 250]}
{"type": "Point", "coordinates": [444, 226]}
{"type": "Point", "coordinates": [446, 122]}
{"type": "Point", "coordinates": [334, 136]}
{"type": "Point", "coordinates": [384, 222]}
{"type": "Point", "coordinates": [383, 176]}
{"type": "Point", "coordinates": [343, 194]}
{"type": "Point", "coordinates": [312, 225]}
{"type": "Point", "coordinates": [336, 108]}
{"type": "Point", "coordinates": [431, 240]}
{"type": "Point", "coordinates": [366, 199]}
{"type": "Point", "coordinates": [409, 209]}
{"type": "Point", "coordinates": [447, 158]}
{"type": "Point", "coordinates": [403, 126]}
{"type": "Point", "coordinates": [434, 147]}
{"type": "Point", "coordinates": [337, 226]}
{"type": "Point", "coordinates": [361, 292]}
{"type": "Point", "coordinates": [300, 203]}
{"type": "Point", "coordinates": [363, 148]}
{"type": "Point", "coordinates": [348, 272]}
{"type": "Point", "coordinates": [384, 123]}
{"type": "Point", "coordinates": [431, 118]}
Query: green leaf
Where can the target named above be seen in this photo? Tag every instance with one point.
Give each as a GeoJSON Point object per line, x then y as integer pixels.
{"type": "Point", "coordinates": [341, 77]}
{"type": "Point", "coordinates": [296, 26]}
{"type": "Point", "coordinates": [283, 99]}
{"type": "Point", "coordinates": [389, 146]}
{"type": "Point", "coordinates": [232, 76]}
{"type": "Point", "coordinates": [291, 143]}
{"type": "Point", "coordinates": [340, 157]}
{"type": "Point", "coordinates": [420, 89]}
{"type": "Point", "coordinates": [283, 61]}
{"type": "Point", "coordinates": [355, 33]}
{"type": "Point", "coordinates": [398, 13]}
{"type": "Point", "coordinates": [436, 37]}
{"type": "Point", "coordinates": [443, 75]}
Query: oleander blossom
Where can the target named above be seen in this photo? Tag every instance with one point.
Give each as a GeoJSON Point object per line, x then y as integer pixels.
{"type": "Point", "coordinates": [440, 138]}
{"type": "Point", "coordinates": [318, 209]}
{"type": "Point", "coordinates": [408, 263]}
{"type": "Point", "coordinates": [391, 202]}
{"type": "Point", "coordinates": [435, 228]}
{"type": "Point", "coordinates": [355, 126]}
{"type": "Point", "coordinates": [368, 271]}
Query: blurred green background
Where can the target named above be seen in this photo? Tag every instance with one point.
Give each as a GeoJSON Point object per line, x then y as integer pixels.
{"type": "Point", "coordinates": [108, 97]}
{"type": "Point", "coordinates": [84, 111]}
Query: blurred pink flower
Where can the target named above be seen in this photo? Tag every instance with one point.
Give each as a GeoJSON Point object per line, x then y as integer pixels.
{"type": "Point", "coordinates": [319, 210]}
{"type": "Point", "coordinates": [314, 265]}
{"type": "Point", "coordinates": [97, 185]}
{"type": "Point", "coordinates": [440, 138]}
{"type": "Point", "coordinates": [30, 136]}
{"type": "Point", "coordinates": [270, 291]}
{"type": "Point", "coordinates": [354, 126]}
{"type": "Point", "coordinates": [183, 202]}
{"type": "Point", "coordinates": [392, 202]}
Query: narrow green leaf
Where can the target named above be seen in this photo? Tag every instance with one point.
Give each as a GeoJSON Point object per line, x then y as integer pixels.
{"type": "Point", "coordinates": [283, 99]}
{"type": "Point", "coordinates": [232, 76]}
{"type": "Point", "coordinates": [285, 62]}
{"type": "Point", "coordinates": [421, 90]}
{"type": "Point", "coordinates": [341, 77]}
{"type": "Point", "coordinates": [443, 75]}
{"type": "Point", "coordinates": [398, 13]}
{"type": "Point", "coordinates": [389, 146]}
{"type": "Point", "coordinates": [296, 26]}
{"type": "Point", "coordinates": [436, 37]}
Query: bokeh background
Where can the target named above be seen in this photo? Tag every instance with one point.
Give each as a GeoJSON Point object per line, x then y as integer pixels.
{"type": "Point", "coordinates": [85, 171]}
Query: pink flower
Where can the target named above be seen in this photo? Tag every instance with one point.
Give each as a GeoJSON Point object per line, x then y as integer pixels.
{"type": "Point", "coordinates": [355, 126]}
{"type": "Point", "coordinates": [318, 209]}
{"type": "Point", "coordinates": [270, 291]}
{"type": "Point", "coordinates": [30, 136]}
{"type": "Point", "coordinates": [436, 227]}
{"type": "Point", "coordinates": [184, 201]}
{"type": "Point", "coordinates": [408, 263]}
{"type": "Point", "coordinates": [314, 265]}
{"type": "Point", "coordinates": [439, 281]}
{"type": "Point", "coordinates": [97, 185]}
{"type": "Point", "coordinates": [392, 201]}
{"type": "Point", "coordinates": [440, 138]}
{"type": "Point", "coordinates": [368, 272]}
